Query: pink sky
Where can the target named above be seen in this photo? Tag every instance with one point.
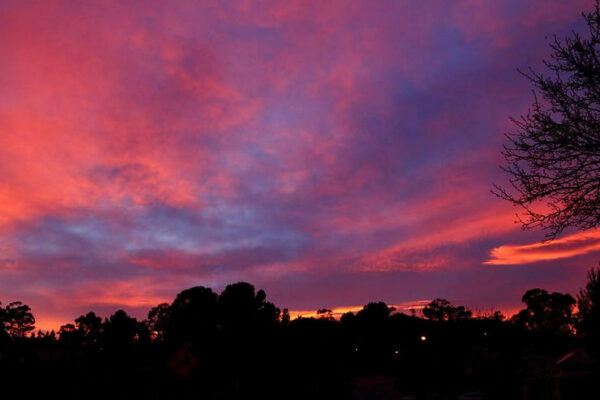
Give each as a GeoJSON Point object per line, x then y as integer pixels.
{"type": "Point", "coordinates": [332, 153]}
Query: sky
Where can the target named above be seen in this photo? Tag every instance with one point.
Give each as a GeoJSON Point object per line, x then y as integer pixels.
{"type": "Point", "coordinates": [331, 153]}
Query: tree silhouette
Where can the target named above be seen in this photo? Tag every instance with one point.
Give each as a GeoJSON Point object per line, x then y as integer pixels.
{"type": "Point", "coordinates": [550, 313]}
{"type": "Point", "coordinates": [69, 334]}
{"type": "Point", "coordinates": [190, 318]}
{"type": "Point", "coordinates": [17, 319]}
{"type": "Point", "coordinates": [85, 331]}
{"type": "Point", "coordinates": [375, 312]}
{"type": "Point", "coordinates": [158, 320]}
{"type": "Point", "coordinates": [588, 303]}
{"type": "Point", "coordinates": [237, 345]}
{"type": "Point", "coordinates": [442, 310]}
{"type": "Point", "coordinates": [239, 304]}
{"type": "Point", "coordinates": [554, 155]}
{"type": "Point", "coordinates": [121, 331]}
{"type": "Point", "coordinates": [325, 313]}
{"type": "Point", "coordinates": [3, 334]}
{"type": "Point", "coordinates": [89, 324]}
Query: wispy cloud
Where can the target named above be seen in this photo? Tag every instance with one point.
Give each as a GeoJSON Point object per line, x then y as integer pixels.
{"type": "Point", "coordinates": [569, 246]}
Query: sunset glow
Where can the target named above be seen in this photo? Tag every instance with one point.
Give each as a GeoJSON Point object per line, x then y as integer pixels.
{"type": "Point", "coordinates": [330, 153]}
{"type": "Point", "coordinates": [337, 312]}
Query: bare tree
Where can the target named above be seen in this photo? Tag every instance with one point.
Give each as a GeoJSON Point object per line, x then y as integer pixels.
{"type": "Point", "coordinates": [553, 157]}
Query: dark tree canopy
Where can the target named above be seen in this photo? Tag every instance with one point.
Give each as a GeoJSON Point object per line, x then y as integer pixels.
{"type": "Point", "coordinates": [85, 331]}
{"type": "Point", "coordinates": [89, 324]}
{"type": "Point", "coordinates": [68, 333]}
{"type": "Point", "coordinates": [588, 303]}
{"type": "Point", "coordinates": [239, 305]}
{"type": "Point", "coordinates": [192, 315]}
{"type": "Point", "coordinates": [443, 310]}
{"type": "Point", "coordinates": [325, 313]}
{"type": "Point", "coordinates": [375, 311]}
{"type": "Point", "coordinates": [17, 319]}
{"type": "Point", "coordinates": [120, 330]}
{"type": "Point", "coordinates": [547, 312]}
{"type": "Point", "coordinates": [158, 320]}
{"type": "Point", "coordinates": [553, 157]}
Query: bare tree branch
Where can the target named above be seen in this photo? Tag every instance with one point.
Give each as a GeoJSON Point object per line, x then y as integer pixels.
{"type": "Point", "coordinates": [553, 157]}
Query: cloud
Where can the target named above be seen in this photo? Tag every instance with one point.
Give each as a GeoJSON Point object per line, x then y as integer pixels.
{"type": "Point", "coordinates": [193, 144]}
{"type": "Point", "coordinates": [569, 246]}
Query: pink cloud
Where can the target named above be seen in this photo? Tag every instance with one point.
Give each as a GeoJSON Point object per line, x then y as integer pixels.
{"type": "Point", "coordinates": [204, 144]}
{"type": "Point", "coordinates": [566, 247]}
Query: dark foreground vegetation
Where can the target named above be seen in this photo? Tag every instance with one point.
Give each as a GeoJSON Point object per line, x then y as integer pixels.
{"type": "Point", "coordinates": [237, 345]}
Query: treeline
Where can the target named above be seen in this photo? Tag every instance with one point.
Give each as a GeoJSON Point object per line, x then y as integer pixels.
{"type": "Point", "coordinates": [238, 345]}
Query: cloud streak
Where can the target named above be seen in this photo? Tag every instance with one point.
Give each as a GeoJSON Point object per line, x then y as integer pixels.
{"type": "Point", "coordinates": [569, 246]}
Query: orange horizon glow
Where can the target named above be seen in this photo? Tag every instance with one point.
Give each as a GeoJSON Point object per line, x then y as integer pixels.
{"type": "Point", "coordinates": [53, 324]}
{"type": "Point", "coordinates": [337, 312]}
